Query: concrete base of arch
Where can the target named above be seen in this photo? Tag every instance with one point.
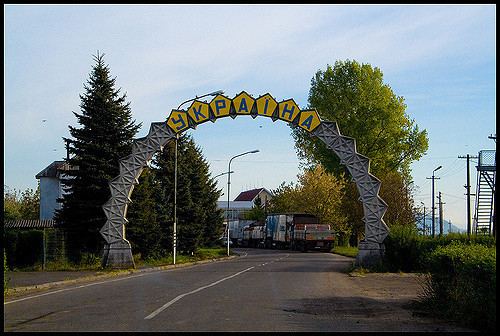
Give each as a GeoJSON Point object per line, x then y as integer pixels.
{"type": "Point", "coordinates": [369, 254]}
{"type": "Point", "coordinates": [118, 255]}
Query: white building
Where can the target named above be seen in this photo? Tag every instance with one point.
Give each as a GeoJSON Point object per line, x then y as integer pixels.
{"type": "Point", "coordinates": [51, 188]}
{"type": "Point", "coordinates": [237, 209]}
{"type": "Point", "coordinates": [244, 202]}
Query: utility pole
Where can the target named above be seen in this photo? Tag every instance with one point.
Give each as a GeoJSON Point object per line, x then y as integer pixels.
{"type": "Point", "coordinates": [433, 207]}
{"type": "Point", "coordinates": [440, 204]}
{"type": "Point", "coordinates": [467, 186]}
{"type": "Point", "coordinates": [423, 223]}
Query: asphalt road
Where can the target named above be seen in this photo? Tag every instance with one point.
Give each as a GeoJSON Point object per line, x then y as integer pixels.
{"type": "Point", "coordinates": [263, 290]}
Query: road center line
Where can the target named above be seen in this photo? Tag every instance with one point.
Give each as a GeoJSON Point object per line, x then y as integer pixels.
{"type": "Point", "coordinates": [177, 298]}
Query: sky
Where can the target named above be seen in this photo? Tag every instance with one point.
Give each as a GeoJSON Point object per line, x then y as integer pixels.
{"type": "Point", "coordinates": [440, 58]}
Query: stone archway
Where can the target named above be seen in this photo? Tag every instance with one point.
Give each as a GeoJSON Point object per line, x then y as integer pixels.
{"type": "Point", "coordinates": [117, 251]}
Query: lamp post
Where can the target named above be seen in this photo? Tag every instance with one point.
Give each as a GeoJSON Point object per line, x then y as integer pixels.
{"type": "Point", "coordinates": [228, 186]}
{"type": "Point", "coordinates": [423, 223]}
{"type": "Point", "coordinates": [433, 207]}
{"type": "Point", "coordinates": [215, 93]}
{"type": "Point", "coordinates": [223, 174]}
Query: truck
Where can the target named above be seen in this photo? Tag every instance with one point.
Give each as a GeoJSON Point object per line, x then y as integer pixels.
{"type": "Point", "coordinates": [236, 228]}
{"type": "Point", "coordinates": [253, 235]}
{"type": "Point", "coordinates": [312, 237]}
{"type": "Point", "coordinates": [296, 231]}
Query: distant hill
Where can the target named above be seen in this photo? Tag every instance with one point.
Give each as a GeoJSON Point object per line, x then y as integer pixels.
{"type": "Point", "coordinates": [446, 226]}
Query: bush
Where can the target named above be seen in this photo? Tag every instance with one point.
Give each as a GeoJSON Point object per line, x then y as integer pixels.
{"type": "Point", "coordinates": [90, 261]}
{"type": "Point", "coordinates": [463, 284]}
{"type": "Point", "coordinates": [24, 248]}
{"type": "Point", "coordinates": [402, 249]}
{"type": "Point", "coordinates": [407, 251]}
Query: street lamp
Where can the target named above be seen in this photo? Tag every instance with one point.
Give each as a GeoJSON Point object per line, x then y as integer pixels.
{"type": "Point", "coordinates": [228, 186]}
{"type": "Point", "coordinates": [433, 207]}
{"type": "Point", "coordinates": [215, 93]}
{"type": "Point", "coordinates": [223, 174]}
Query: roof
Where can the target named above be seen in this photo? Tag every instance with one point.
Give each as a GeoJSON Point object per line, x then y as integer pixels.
{"type": "Point", "coordinates": [53, 169]}
{"type": "Point", "coordinates": [30, 224]}
{"type": "Point", "coordinates": [249, 195]}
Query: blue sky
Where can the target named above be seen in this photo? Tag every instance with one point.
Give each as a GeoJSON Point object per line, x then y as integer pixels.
{"type": "Point", "coordinates": [440, 58]}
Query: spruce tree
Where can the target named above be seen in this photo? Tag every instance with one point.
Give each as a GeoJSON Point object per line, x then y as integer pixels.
{"type": "Point", "coordinates": [106, 135]}
{"type": "Point", "coordinates": [199, 222]}
{"type": "Point", "coordinates": [143, 229]}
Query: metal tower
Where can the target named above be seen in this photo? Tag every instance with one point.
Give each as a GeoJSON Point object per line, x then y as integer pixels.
{"type": "Point", "coordinates": [484, 217]}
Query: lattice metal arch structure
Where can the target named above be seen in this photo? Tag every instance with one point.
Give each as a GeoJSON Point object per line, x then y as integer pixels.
{"type": "Point", "coordinates": [118, 253]}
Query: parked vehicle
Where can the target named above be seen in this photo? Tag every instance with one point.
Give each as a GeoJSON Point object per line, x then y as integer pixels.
{"type": "Point", "coordinates": [297, 231]}
{"type": "Point", "coordinates": [253, 235]}
{"type": "Point", "coordinates": [312, 237]}
{"type": "Point", "coordinates": [223, 242]}
{"type": "Point", "coordinates": [236, 228]}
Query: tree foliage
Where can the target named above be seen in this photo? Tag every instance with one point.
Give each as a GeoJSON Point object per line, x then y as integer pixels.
{"type": "Point", "coordinates": [355, 97]}
{"type": "Point", "coordinates": [257, 212]}
{"type": "Point", "coordinates": [21, 205]}
{"type": "Point", "coordinates": [366, 109]}
{"type": "Point", "coordinates": [106, 134]}
{"type": "Point", "coordinates": [199, 222]}
{"type": "Point", "coordinates": [143, 230]}
{"type": "Point", "coordinates": [318, 193]}
{"type": "Point", "coordinates": [397, 191]}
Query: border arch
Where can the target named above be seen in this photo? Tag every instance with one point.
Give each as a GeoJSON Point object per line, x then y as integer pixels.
{"type": "Point", "coordinates": [117, 250]}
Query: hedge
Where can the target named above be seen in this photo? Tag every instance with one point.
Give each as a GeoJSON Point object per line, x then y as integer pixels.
{"type": "Point", "coordinates": [407, 251]}
{"type": "Point", "coordinates": [24, 248]}
{"type": "Point", "coordinates": [463, 283]}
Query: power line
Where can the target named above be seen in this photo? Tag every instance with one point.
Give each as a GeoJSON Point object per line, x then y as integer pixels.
{"type": "Point", "coordinates": [449, 195]}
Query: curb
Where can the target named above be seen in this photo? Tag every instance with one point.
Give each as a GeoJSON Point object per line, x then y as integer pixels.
{"type": "Point", "coordinates": [28, 289]}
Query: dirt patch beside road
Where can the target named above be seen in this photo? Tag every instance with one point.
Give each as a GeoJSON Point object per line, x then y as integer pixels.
{"type": "Point", "coordinates": [377, 302]}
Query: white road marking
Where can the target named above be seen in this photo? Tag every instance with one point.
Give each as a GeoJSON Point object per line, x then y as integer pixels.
{"type": "Point", "coordinates": [67, 289]}
{"type": "Point", "coordinates": [120, 279]}
{"type": "Point", "coordinates": [177, 298]}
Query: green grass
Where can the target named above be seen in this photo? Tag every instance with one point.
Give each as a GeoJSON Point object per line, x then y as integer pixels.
{"type": "Point", "coordinates": [93, 263]}
{"type": "Point", "coordinates": [346, 251]}
{"type": "Point", "coordinates": [201, 254]}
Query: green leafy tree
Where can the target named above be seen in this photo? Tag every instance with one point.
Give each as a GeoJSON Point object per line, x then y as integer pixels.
{"type": "Point", "coordinates": [106, 134]}
{"type": "Point", "coordinates": [318, 193]}
{"type": "Point", "coordinates": [21, 205]}
{"type": "Point", "coordinates": [30, 203]}
{"type": "Point", "coordinates": [286, 198]}
{"type": "Point", "coordinates": [397, 191]}
{"type": "Point", "coordinates": [365, 108]}
{"type": "Point", "coordinates": [321, 194]}
{"type": "Point", "coordinates": [11, 204]}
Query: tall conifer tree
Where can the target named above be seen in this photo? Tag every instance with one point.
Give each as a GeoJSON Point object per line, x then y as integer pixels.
{"type": "Point", "coordinates": [199, 222]}
{"type": "Point", "coordinates": [106, 135]}
{"type": "Point", "coordinates": [143, 229]}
